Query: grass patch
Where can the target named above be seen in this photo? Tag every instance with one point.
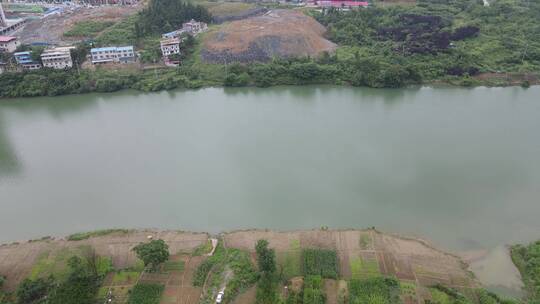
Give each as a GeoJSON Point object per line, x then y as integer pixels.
{"type": "Point", "coordinates": [88, 28]}
{"type": "Point", "coordinates": [313, 293]}
{"type": "Point", "coordinates": [203, 249]}
{"type": "Point", "coordinates": [125, 277]}
{"type": "Point", "coordinates": [146, 294]}
{"type": "Point", "coordinates": [440, 297]}
{"type": "Point", "coordinates": [375, 290]}
{"type": "Point", "coordinates": [226, 8]}
{"type": "Point", "coordinates": [122, 33]}
{"type": "Point", "coordinates": [364, 268]}
{"type": "Point", "coordinates": [86, 235]}
{"type": "Point", "coordinates": [21, 8]}
{"type": "Point", "coordinates": [408, 289]}
{"type": "Point", "coordinates": [173, 266]}
{"type": "Point", "coordinates": [365, 241]}
{"type": "Point", "coordinates": [52, 263]}
{"type": "Point", "coordinates": [527, 260]}
{"type": "Point", "coordinates": [290, 263]}
{"type": "Point", "coordinates": [320, 262]}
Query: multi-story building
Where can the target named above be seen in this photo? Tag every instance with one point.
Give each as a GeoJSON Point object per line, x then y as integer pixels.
{"type": "Point", "coordinates": [113, 54]}
{"type": "Point", "coordinates": [57, 58]}
{"type": "Point", "coordinates": [24, 59]}
{"type": "Point", "coordinates": [192, 28]}
{"type": "Point", "coordinates": [170, 46]}
{"type": "Point", "coordinates": [8, 44]}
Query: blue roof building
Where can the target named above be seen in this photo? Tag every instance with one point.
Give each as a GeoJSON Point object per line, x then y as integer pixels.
{"type": "Point", "coordinates": [23, 57]}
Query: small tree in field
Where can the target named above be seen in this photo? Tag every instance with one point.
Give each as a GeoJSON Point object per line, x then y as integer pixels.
{"type": "Point", "coordinates": [153, 253]}
{"type": "Point", "coordinates": [265, 257]}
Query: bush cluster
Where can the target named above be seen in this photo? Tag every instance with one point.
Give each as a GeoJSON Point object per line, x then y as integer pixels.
{"type": "Point", "coordinates": [321, 262]}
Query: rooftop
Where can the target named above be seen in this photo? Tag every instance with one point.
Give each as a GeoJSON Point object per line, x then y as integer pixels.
{"type": "Point", "coordinates": [7, 38]}
{"type": "Point", "coordinates": [112, 48]}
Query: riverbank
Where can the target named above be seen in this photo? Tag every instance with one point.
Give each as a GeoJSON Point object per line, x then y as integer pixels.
{"type": "Point", "coordinates": [361, 254]}
{"type": "Point", "coordinates": [56, 83]}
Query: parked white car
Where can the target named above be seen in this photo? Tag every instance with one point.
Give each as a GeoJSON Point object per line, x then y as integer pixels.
{"type": "Point", "coordinates": [219, 297]}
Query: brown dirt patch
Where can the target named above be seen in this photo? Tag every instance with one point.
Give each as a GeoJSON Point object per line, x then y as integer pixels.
{"type": "Point", "coordinates": [331, 291]}
{"type": "Point", "coordinates": [51, 29]}
{"type": "Point", "coordinates": [281, 33]}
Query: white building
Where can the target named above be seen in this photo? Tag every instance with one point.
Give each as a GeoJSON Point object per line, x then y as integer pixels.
{"type": "Point", "coordinates": [121, 54]}
{"type": "Point", "coordinates": [170, 46]}
{"type": "Point", "coordinates": [8, 44]}
{"type": "Point", "coordinates": [57, 58]}
{"type": "Point", "coordinates": [192, 28]}
{"type": "Point", "coordinates": [2, 67]}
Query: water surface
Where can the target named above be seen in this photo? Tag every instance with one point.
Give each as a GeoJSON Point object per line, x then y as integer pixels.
{"type": "Point", "coordinates": [460, 167]}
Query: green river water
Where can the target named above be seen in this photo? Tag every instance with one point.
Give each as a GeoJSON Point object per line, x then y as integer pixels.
{"type": "Point", "coordinates": [460, 167]}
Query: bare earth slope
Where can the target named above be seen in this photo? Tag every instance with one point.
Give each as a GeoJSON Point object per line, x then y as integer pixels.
{"type": "Point", "coordinates": [278, 33]}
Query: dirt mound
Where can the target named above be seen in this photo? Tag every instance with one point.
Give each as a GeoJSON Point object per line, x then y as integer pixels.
{"type": "Point", "coordinates": [278, 33]}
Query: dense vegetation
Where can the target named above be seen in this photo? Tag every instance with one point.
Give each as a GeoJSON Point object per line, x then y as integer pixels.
{"type": "Point", "coordinates": [244, 276]}
{"type": "Point", "coordinates": [313, 290]}
{"type": "Point", "coordinates": [374, 290]}
{"type": "Point", "coordinates": [321, 262]}
{"type": "Point", "coordinates": [390, 46]}
{"type": "Point", "coordinates": [146, 294]}
{"type": "Point", "coordinates": [85, 275]}
{"type": "Point", "coordinates": [204, 268]}
{"type": "Point", "coordinates": [168, 15]}
{"type": "Point", "coordinates": [153, 253]}
{"type": "Point", "coordinates": [439, 39]}
{"type": "Point", "coordinates": [268, 282]}
{"type": "Point", "coordinates": [527, 260]}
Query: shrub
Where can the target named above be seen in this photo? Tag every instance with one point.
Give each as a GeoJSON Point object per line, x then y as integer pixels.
{"type": "Point", "coordinates": [313, 293]}
{"type": "Point", "coordinates": [375, 290]}
{"type": "Point", "coordinates": [152, 253]}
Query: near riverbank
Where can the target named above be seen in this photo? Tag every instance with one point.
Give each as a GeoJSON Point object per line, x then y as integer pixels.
{"type": "Point", "coordinates": [422, 271]}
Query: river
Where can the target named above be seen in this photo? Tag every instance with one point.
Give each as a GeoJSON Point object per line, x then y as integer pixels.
{"type": "Point", "coordinates": [460, 167]}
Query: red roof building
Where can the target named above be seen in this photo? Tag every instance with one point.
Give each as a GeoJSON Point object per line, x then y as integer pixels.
{"type": "Point", "coordinates": [8, 44]}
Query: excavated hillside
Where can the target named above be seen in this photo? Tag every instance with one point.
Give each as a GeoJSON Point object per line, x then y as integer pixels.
{"type": "Point", "coordinates": [278, 33]}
